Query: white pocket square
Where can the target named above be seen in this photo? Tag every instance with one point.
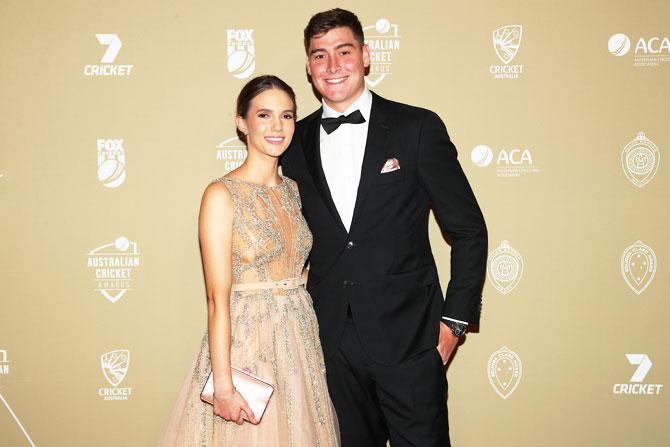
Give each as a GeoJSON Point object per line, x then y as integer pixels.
{"type": "Point", "coordinates": [391, 165]}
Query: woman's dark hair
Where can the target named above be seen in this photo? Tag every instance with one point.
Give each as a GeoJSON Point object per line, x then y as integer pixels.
{"type": "Point", "coordinates": [257, 86]}
{"type": "Point", "coordinates": [323, 22]}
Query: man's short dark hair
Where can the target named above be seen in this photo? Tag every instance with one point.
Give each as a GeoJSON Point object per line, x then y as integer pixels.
{"type": "Point", "coordinates": [322, 22]}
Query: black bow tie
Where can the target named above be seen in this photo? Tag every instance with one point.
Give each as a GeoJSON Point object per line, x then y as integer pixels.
{"type": "Point", "coordinates": [331, 124]}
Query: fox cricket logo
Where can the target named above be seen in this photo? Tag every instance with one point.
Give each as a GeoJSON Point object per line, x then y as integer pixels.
{"type": "Point", "coordinates": [232, 152]}
{"type": "Point", "coordinates": [505, 267]}
{"type": "Point", "coordinates": [513, 162]}
{"type": "Point", "coordinates": [111, 162]}
{"type": "Point", "coordinates": [106, 66]}
{"type": "Point", "coordinates": [241, 53]}
{"type": "Point", "coordinates": [504, 371]}
{"type": "Point", "coordinates": [506, 43]}
{"type": "Point", "coordinates": [638, 266]}
{"type": "Point", "coordinates": [639, 160]}
{"type": "Point", "coordinates": [635, 385]}
{"type": "Point", "coordinates": [113, 264]}
{"type": "Point", "coordinates": [4, 363]}
{"type": "Point", "coordinates": [383, 43]}
{"type": "Point", "coordinates": [648, 51]}
{"type": "Point", "coordinates": [114, 366]}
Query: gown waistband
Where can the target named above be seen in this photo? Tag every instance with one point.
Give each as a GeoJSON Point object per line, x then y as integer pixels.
{"type": "Point", "coordinates": [290, 283]}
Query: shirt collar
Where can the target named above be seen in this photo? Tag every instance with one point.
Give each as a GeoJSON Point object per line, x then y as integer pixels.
{"type": "Point", "coordinates": [362, 103]}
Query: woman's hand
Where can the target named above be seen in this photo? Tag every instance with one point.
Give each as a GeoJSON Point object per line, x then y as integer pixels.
{"type": "Point", "coordinates": [231, 407]}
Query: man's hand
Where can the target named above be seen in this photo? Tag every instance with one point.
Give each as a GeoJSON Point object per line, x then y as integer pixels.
{"type": "Point", "coordinates": [447, 343]}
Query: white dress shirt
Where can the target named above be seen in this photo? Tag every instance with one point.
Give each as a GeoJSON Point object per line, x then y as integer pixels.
{"type": "Point", "coordinates": [342, 155]}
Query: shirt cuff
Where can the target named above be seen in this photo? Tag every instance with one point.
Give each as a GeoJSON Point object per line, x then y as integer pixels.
{"type": "Point", "coordinates": [457, 321]}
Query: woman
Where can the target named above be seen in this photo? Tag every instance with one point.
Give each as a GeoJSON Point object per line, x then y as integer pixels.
{"type": "Point", "coordinates": [252, 234]}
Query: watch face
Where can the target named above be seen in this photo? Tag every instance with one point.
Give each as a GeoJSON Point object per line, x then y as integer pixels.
{"type": "Point", "coordinates": [457, 329]}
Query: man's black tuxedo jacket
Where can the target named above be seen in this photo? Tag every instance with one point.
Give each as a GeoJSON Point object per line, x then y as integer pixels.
{"type": "Point", "coordinates": [383, 267]}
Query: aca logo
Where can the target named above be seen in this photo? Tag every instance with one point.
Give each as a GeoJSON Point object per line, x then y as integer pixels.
{"type": "Point", "coordinates": [111, 162]}
{"type": "Point", "coordinates": [383, 42]}
{"type": "Point", "coordinates": [504, 370]}
{"type": "Point", "coordinates": [636, 385]}
{"type": "Point", "coordinates": [114, 365]}
{"type": "Point", "coordinates": [4, 363]}
{"type": "Point", "coordinates": [241, 53]}
{"type": "Point", "coordinates": [648, 51]}
{"type": "Point", "coordinates": [232, 152]}
{"type": "Point", "coordinates": [639, 160]}
{"type": "Point", "coordinates": [113, 264]}
{"type": "Point", "coordinates": [505, 268]}
{"type": "Point", "coordinates": [506, 43]}
{"type": "Point", "coordinates": [513, 162]}
{"type": "Point", "coordinates": [638, 266]}
{"type": "Point", "coordinates": [106, 66]}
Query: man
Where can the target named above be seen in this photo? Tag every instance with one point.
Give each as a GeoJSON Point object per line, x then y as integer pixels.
{"type": "Point", "coordinates": [368, 170]}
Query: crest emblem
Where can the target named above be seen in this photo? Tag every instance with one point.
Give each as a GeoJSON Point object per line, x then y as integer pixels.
{"type": "Point", "coordinates": [383, 42]}
{"type": "Point", "coordinates": [504, 371]}
{"type": "Point", "coordinates": [638, 266]}
{"type": "Point", "coordinates": [505, 268]}
{"type": "Point", "coordinates": [506, 42]}
{"type": "Point", "coordinates": [114, 365]}
{"type": "Point", "coordinates": [639, 160]}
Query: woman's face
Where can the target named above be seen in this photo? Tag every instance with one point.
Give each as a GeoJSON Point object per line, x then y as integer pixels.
{"type": "Point", "coordinates": [270, 122]}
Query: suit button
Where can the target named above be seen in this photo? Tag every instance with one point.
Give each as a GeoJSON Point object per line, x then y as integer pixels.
{"type": "Point", "coordinates": [350, 245]}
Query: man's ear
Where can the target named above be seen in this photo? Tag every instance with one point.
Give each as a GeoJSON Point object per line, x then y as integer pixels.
{"type": "Point", "coordinates": [309, 70]}
{"type": "Point", "coordinates": [366, 55]}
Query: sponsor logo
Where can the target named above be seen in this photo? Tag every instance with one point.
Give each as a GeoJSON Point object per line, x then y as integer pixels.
{"type": "Point", "coordinates": [504, 371]}
{"type": "Point", "coordinates": [514, 162]}
{"type": "Point", "coordinates": [506, 43]}
{"type": "Point", "coordinates": [113, 264]}
{"type": "Point", "coordinates": [241, 53]}
{"type": "Point", "coordinates": [111, 162]}
{"type": "Point", "coordinates": [107, 66]}
{"type": "Point", "coordinates": [114, 365]}
{"type": "Point", "coordinates": [232, 152]}
{"type": "Point", "coordinates": [505, 268]}
{"type": "Point", "coordinates": [4, 362]}
{"type": "Point", "coordinates": [638, 266]}
{"type": "Point", "coordinates": [639, 160]}
{"type": "Point", "coordinates": [636, 385]}
{"type": "Point", "coordinates": [383, 39]}
{"type": "Point", "coordinates": [648, 51]}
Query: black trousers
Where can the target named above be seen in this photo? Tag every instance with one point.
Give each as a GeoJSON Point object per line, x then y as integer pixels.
{"type": "Point", "coordinates": [406, 403]}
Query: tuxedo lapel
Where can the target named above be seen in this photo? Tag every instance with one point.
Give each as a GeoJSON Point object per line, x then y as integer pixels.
{"type": "Point", "coordinates": [375, 153]}
{"type": "Point", "coordinates": [312, 148]}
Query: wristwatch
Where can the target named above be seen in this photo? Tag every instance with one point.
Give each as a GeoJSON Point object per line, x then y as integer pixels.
{"type": "Point", "coordinates": [457, 328]}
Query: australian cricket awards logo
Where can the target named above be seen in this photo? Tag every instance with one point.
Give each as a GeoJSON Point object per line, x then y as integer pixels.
{"type": "Point", "coordinates": [114, 366]}
{"type": "Point", "coordinates": [639, 160]}
{"type": "Point", "coordinates": [232, 152]}
{"type": "Point", "coordinates": [504, 371]}
{"type": "Point", "coordinates": [636, 383]}
{"type": "Point", "coordinates": [506, 43]}
{"type": "Point", "coordinates": [241, 53]}
{"type": "Point", "coordinates": [383, 39]}
{"type": "Point", "coordinates": [505, 267]}
{"type": "Point", "coordinates": [107, 66]}
{"type": "Point", "coordinates": [111, 162]}
{"type": "Point", "coordinates": [638, 266]}
{"type": "Point", "coordinates": [4, 363]}
{"type": "Point", "coordinates": [113, 264]}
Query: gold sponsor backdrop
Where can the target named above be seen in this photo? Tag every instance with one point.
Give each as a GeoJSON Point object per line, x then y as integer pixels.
{"type": "Point", "coordinates": [571, 319]}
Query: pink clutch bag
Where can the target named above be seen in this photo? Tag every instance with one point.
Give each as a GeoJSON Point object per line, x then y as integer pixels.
{"type": "Point", "coordinates": [255, 391]}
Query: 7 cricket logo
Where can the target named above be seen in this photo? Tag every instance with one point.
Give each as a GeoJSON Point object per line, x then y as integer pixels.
{"type": "Point", "coordinates": [636, 385]}
{"type": "Point", "coordinates": [107, 66]}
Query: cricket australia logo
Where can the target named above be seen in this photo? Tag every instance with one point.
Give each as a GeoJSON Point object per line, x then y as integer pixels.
{"type": "Point", "coordinates": [114, 365]}
{"type": "Point", "coordinates": [241, 53]}
{"type": "Point", "coordinates": [504, 371]}
{"type": "Point", "coordinates": [638, 266]}
{"type": "Point", "coordinates": [383, 43]}
{"type": "Point", "coordinates": [113, 264]}
{"type": "Point", "coordinates": [107, 66]}
{"type": "Point", "coordinates": [505, 267]}
{"type": "Point", "coordinates": [639, 160]}
{"type": "Point", "coordinates": [111, 162]}
{"type": "Point", "coordinates": [506, 43]}
{"type": "Point", "coordinates": [232, 152]}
